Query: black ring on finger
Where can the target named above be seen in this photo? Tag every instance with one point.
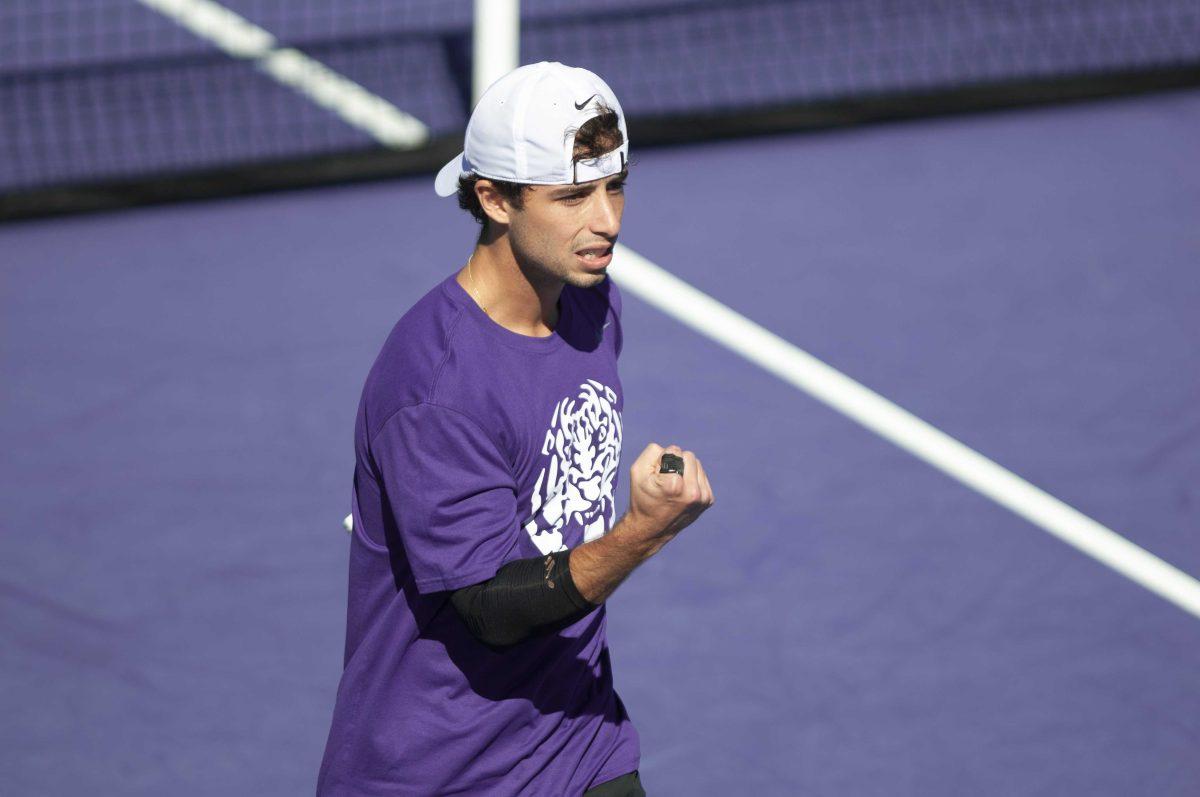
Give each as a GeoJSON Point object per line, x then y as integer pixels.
{"type": "Point", "coordinates": [671, 464]}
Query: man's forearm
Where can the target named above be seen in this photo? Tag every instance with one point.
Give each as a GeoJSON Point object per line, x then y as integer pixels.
{"type": "Point", "coordinates": [524, 597]}
{"type": "Point", "coordinates": [598, 567]}
{"type": "Point", "coordinates": [529, 595]}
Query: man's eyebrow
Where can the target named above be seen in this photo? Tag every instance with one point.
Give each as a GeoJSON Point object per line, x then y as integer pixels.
{"type": "Point", "coordinates": [572, 190]}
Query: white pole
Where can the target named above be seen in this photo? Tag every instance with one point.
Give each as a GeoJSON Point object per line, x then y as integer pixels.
{"type": "Point", "coordinates": [497, 43]}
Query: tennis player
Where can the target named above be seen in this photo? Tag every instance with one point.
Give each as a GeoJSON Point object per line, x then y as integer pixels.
{"type": "Point", "coordinates": [488, 440]}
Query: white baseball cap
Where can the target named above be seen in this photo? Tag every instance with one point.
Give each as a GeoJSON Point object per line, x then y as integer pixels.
{"type": "Point", "coordinates": [523, 129]}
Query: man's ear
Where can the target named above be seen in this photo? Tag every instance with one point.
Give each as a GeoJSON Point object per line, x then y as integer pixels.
{"type": "Point", "coordinates": [492, 201]}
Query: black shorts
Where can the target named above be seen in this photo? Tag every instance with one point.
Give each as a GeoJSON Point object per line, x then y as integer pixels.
{"type": "Point", "coordinates": [625, 786]}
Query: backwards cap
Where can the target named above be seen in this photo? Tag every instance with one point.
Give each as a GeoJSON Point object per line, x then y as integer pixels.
{"type": "Point", "coordinates": [523, 129]}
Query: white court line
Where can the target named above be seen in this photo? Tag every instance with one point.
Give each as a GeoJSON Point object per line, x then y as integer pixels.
{"type": "Point", "coordinates": [714, 320]}
{"type": "Point", "coordinates": [242, 39]}
{"type": "Point", "coordinates": [392, 127]}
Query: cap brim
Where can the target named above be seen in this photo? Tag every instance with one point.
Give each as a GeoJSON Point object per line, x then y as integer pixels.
{"type": "Point", "coordinates": [446, 183]}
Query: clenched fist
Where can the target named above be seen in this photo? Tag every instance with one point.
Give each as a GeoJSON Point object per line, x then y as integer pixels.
{"type": "Point", "coordinates": [663, 504]}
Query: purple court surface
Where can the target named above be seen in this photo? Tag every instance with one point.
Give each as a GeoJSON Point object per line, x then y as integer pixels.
{"type": "Point", "coordinates": [179, 389]}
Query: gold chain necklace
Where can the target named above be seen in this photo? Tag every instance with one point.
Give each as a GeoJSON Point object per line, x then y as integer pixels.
{"type": "Point", "coordinates": [475, 287]}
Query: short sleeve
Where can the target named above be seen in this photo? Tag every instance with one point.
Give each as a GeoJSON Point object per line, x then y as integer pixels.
{"type": "Point", "coordinates": [451, 493]}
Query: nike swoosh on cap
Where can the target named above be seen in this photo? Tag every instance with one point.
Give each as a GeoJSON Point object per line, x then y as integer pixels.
{"type": "Point", "coordinates": [580, 105]}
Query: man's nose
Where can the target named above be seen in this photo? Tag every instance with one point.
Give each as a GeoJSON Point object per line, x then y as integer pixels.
{"type": "Point", "coordinates": [606, 217]}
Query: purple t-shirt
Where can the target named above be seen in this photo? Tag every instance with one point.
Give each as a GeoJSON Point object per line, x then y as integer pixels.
{"type": "Point", "coordinates": [476, 446]}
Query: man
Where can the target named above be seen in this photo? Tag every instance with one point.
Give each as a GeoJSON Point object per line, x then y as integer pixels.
{"type": "Point", "coordinates": [487, 444]}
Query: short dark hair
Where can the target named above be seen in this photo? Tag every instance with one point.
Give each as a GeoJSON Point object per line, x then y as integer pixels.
{"type": "Point", "coordinates": [596, 136]}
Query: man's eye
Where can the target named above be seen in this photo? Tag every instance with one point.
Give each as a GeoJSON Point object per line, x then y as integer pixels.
{"type": "Point", "coordinates": [616, 186]}
{"type": "Point", "coordinates": [572, 198]}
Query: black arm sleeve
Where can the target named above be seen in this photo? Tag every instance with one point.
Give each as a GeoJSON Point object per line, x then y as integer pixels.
{"type": "Point", "coordinates": [523, 597]}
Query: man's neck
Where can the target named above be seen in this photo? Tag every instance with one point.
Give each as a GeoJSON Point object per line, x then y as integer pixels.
{"type": "Point", "coordinates": [507, 293]}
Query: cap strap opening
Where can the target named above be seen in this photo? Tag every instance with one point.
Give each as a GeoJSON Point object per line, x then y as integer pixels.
{"type": "Point", "coordinates": [602, 166]}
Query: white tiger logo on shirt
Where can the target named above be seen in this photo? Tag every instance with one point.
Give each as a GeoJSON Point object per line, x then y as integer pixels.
{"type": "Point", "coordinates": [584, 444]}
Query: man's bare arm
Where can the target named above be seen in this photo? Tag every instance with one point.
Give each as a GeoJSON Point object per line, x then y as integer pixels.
{"type": "Point", "coordinates": [529, 594]}
{"type": "Point", "coordinates": [598, 567]}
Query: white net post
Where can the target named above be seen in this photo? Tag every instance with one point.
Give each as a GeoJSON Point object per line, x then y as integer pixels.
{"type": "Point", "coordinates": [496, 43]}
